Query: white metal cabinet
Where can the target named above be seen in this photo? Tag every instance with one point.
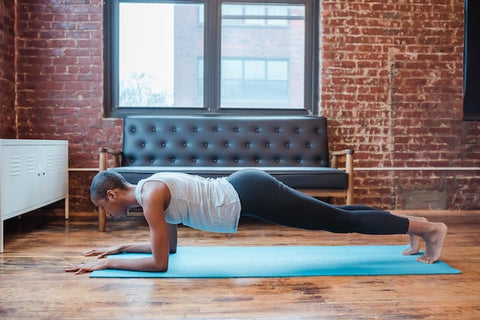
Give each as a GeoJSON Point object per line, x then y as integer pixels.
{"type": "Point", "coordinates": [33, 173]}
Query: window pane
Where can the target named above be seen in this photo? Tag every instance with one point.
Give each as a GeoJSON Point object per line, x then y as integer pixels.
{"type": "Point", "coordinates": [277, 11]}
{"type": "Point", "coordinates": [277, 70]}
{"type": "Point", "coordinates": [232, 69]}
{"type": "Point", "coordinates": [159, 48]}
{"type": "Point", "coordinates": [256, 10]}
{"type": "Point", "coordinates": [271, 49]}
{"type": "Point", "coordinates": [255, 69]}
{"type": "Point", "coordinates": [235, 10]}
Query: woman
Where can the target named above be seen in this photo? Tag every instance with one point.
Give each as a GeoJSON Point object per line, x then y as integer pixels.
{"type": "Point", "coordinates": [216, 205]}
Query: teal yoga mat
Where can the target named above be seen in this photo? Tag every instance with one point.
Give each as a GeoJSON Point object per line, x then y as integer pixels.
{"type": "Point", "coordinates": [284, 261]}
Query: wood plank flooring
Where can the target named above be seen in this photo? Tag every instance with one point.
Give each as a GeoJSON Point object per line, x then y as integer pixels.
{"type": "Point", "coordinates": [34, 286]}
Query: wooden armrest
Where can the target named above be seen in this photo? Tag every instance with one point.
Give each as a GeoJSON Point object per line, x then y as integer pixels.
{"type": "Point", "coordinates": [111, 151]}
{"type": "Point", "coordinates": [348, 169]}
{"type": "Point", "coordinates": [103, 159]}
{"type": "Point", "coordinates": [346, 152]}
{"type": "Point", "coordinates": [342, 152]}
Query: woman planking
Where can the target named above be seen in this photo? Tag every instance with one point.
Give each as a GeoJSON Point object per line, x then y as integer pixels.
{"type": "Point", "coordinates": [217, 204]}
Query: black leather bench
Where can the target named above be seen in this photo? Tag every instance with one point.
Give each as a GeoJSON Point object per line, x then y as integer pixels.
{"type": "Point", "coordinates": [293, 149]}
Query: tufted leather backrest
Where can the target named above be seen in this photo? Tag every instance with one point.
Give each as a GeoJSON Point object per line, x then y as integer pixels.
{"type": "Point", "coordinates": [225, 141]}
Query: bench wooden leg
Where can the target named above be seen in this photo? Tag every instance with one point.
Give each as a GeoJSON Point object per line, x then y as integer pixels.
{"type": "Point", "coordinates": [349, 200]}
{"type": "Point", "coordinates": [349, 170]}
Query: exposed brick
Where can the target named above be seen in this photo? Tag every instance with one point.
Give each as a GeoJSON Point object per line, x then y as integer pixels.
{"type": "Point", "coordinates": [7, 72]}
{"type": "Point", "coordinates": [419, 88]}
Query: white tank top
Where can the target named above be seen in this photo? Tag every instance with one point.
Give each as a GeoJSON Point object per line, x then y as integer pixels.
{"type": "Point", "coordinates": [201, 203]}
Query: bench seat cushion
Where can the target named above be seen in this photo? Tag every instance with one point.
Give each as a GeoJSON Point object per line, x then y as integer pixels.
{"type": "Point", "coordinates": [296, 177]}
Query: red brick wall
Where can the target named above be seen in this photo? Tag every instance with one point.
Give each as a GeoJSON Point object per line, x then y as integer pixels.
{"type": "Point", "coordinates": [60, 83]}
{"type": "Point", "coordinates": [7, 74]}
{"type": "Point", "coordinates": [391, 87]}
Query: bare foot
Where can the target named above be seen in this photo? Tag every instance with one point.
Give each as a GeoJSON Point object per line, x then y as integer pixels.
{"type": "Point", "coordinates": [434, 241]}
{"type": "Point", "coordinates": [414, 247]}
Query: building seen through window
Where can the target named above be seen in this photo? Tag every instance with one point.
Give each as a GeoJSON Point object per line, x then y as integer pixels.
{"type": "Point", "coordinates": [166, 56]}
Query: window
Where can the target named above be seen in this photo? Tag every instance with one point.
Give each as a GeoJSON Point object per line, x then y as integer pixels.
{"type": "Point", "coordinates": [211, 56]}
{"type": "Point", "coordinates": [235, 14]}
{"type": "Point", "coordinates": [254, 83]}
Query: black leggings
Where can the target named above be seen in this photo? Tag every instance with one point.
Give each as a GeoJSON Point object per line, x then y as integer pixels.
{"type": "Point", "coordinates": [266, 198]}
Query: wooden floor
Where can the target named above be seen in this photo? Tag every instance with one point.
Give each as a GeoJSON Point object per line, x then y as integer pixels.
{"type": "Point", "coordinates": [34, 286]}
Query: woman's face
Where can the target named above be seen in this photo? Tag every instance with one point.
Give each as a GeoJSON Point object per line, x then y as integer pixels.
{"type": "Point", "coordinates": [113, 204]}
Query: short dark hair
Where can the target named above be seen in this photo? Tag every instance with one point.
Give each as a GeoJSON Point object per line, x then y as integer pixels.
{"type": "Point", "coordinates": [104, 181]}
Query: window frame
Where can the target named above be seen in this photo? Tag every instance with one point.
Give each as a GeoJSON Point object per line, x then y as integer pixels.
{"type": "Point", "coordinates": [212, 63]}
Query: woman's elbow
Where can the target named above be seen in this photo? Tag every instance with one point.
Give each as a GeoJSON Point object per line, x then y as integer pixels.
{"type": "Point", "coordinates": [160, 266]}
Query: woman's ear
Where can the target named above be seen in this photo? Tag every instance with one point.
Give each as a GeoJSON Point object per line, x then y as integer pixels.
{"type": "Point", "coordinates": [111, 195]}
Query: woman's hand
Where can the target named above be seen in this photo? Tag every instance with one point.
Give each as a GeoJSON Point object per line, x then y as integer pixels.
{"type": "Point", "coordinates": [88, 267]}
{"type": "Point", "coordinates": [103, 252]}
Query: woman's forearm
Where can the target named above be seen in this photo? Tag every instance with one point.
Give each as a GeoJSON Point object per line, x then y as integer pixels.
{"type": "Point", "coordinates": [139, 264]}
{"type": "Point", "coordinates": [144, 247]}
